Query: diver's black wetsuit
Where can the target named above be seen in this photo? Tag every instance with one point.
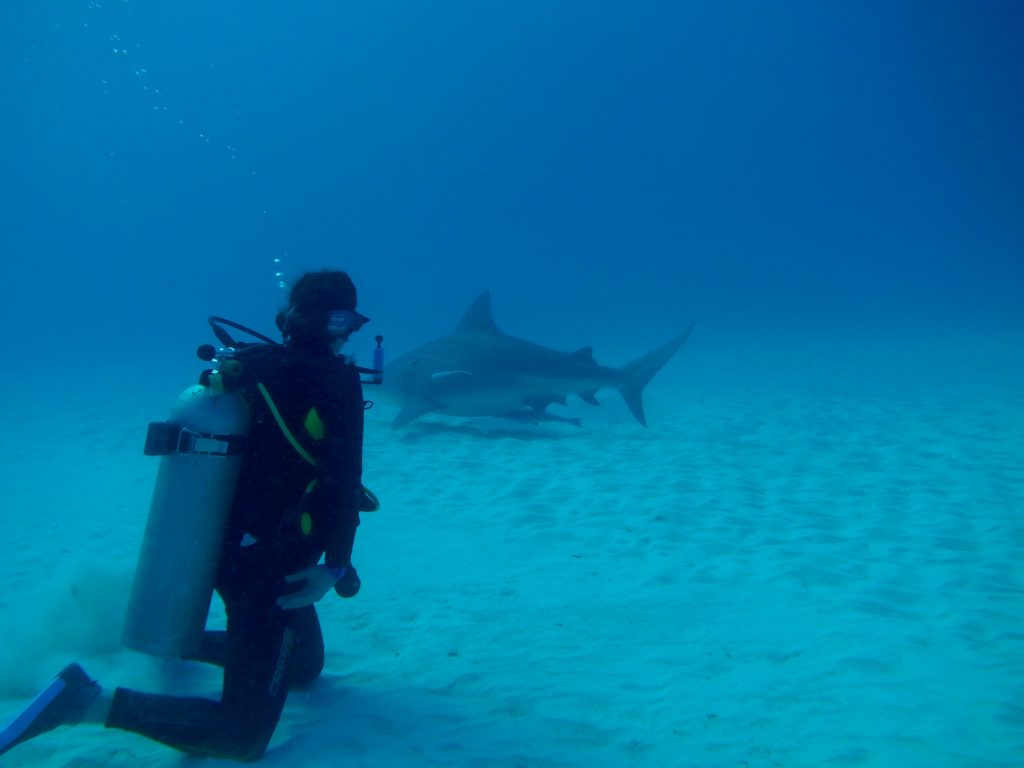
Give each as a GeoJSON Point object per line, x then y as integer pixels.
{"type": "Point", "coordinates": [266, 649]}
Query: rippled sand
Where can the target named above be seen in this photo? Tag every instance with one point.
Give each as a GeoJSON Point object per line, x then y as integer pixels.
{"type": "Point", "coordinates": [812, 557]}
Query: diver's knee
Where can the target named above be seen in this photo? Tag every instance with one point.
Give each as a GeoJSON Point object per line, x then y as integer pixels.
{"type": "Point", "coordinates": [308, 662]}
{"type": "Point", "coordinates": [249, 747]}
{"type": "Point", "coordinates": [306, 673]}
{"type": "Point", "coordinates": [245, 736]}
{"type": "Point", "coordinates": [255, 754]}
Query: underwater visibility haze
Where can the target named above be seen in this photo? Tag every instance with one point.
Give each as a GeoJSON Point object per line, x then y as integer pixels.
{"type": "Point", "coordinates": [818, 537]}
{"type": "Point", "coordinates": [798, 170]}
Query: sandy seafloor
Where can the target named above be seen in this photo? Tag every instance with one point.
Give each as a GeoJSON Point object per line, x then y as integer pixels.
{"type": "Point", "coordinates": [814, 556]}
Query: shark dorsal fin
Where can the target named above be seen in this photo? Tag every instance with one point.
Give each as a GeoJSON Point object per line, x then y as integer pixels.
{"type": "Point", "coordinates": [587, 353]}
{"type": "Point", "coordinates": [478, 317]}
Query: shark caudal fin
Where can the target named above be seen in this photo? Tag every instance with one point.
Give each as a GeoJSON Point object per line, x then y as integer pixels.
{"type": "Point", "coordinates": [637, 374]}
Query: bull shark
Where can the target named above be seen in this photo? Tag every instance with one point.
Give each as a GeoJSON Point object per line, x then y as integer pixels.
{"type": "Point", "coordinates": [476, 370]}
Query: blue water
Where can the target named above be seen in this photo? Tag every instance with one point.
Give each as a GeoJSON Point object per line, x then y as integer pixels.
{"type": "Point", "coordinates": [784, 173]}
{"type": "Point", "coordinates": [807, 171]}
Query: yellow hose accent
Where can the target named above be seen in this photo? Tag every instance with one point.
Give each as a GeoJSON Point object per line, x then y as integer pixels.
{"type": "Point", "coordinates": [284, 427]}
{"type": "Point", "coordinates": [298, 446]}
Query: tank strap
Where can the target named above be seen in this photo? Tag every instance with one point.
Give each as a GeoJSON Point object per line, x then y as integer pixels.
{"type": "Point", "coordinates": [164, 438]}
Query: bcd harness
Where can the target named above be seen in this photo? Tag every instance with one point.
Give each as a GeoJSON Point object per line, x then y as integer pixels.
{"type": "Point", "coordinates": [230, 369]}
{"type": "Point", "coordinates": [315, 428]}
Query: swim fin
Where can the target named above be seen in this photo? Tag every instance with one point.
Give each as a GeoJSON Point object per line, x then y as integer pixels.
{"type": "Point", "coordinates": [62, 702]}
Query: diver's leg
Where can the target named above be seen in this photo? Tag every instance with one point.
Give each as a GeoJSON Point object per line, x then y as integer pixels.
{"type": "Point", "coordinates": [213, 648]}
{"type": "Point", "coordinates": [260, 645]}
{"type": "Point", "coordinates": [308, 659]}
{"type": "Point", "coordinates": [308, 653]}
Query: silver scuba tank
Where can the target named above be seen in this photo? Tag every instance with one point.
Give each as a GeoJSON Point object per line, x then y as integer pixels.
{"type": "Point", "coordinates": [201, 453]}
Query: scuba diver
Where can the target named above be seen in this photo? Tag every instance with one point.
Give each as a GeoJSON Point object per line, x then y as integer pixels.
{"type": "Point", "coordinates": [296, 500]}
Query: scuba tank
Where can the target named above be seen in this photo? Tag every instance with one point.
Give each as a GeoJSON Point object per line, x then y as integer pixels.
{"type": "Point", "coordinates": [201, 448]}
{"type": "Point", "coordinates": [201, 453]}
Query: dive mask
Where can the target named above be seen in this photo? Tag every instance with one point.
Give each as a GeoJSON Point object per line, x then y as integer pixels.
{"type": "Point", "coordinates": [342, 323]}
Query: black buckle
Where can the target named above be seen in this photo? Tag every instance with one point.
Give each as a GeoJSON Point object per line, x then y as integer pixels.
{"type": "Point", "coordinates": [162, 438]}
{"type": "Point", "coordinates": [165, 438]}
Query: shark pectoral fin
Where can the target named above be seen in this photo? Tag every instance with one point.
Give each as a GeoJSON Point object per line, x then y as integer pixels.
{"type": "Point", "coordinates": [588, 397]}
{"type": "Point", "coordinates": [412, 409]}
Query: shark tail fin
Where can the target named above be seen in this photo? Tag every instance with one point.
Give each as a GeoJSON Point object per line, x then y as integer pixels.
{"type": "Point", "coordinates": [637, 374]}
